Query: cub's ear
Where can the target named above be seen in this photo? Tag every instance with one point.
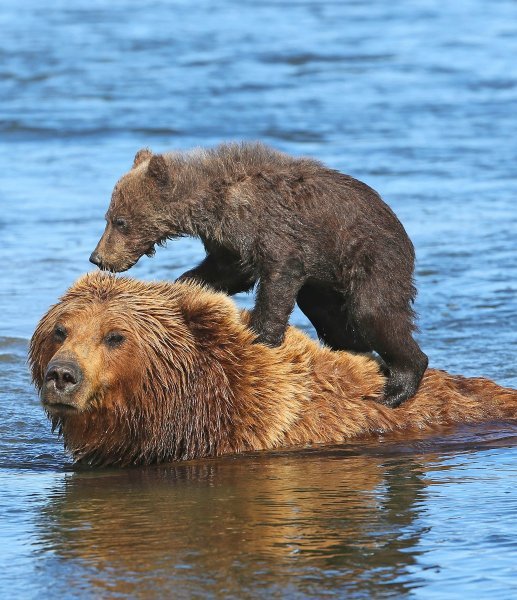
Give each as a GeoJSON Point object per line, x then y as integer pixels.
{"type": "Point", "coordinates": [158, 169]}
{"type": "Point", "coordinates": [140, 156]}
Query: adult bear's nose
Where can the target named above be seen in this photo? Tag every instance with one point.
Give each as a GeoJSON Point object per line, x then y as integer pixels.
{"type": "Point", "coordinates": [96, 259]}
{"type": "Point", "coordinates": [66, 376]}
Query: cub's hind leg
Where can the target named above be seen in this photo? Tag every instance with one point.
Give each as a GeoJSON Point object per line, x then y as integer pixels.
{"type": "Point", "coordinates": [363, 326]}
{"type": "Point", "coordinates": [386, 324]}
{"type": "Point", "coordinates": [326, 310]}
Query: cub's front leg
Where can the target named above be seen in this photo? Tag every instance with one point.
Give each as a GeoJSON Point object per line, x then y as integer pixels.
{"type": "Point", "coordinates": [276, 295]}
{"type": "Point", "coordinates": [221, 272]}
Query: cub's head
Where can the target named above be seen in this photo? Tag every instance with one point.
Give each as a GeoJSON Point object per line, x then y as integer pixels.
{"type": "Point", "coordinates": [135, 220]}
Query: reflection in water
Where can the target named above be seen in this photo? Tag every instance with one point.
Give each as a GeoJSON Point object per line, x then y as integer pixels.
{"type": "Point", "coordinates": [250, 525]}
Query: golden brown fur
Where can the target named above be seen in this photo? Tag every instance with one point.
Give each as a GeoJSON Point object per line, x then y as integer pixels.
{"type": "Point", "coordinates": [189, 382]}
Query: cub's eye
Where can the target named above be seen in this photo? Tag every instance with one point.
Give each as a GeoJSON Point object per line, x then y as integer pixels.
{"type": "Point", "coordinates": [113, 339]}
{"type": "Point", "coordinates": [120, 223]}
{"type": "Point", "coordinates": [60, 333]}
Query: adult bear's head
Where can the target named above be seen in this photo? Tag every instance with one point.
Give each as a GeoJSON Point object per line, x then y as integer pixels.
{"type": "Point", "coordinates": [137, 373]}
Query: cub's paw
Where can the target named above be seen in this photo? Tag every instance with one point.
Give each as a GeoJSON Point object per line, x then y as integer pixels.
{"type": "Point", "coordinates": [393, 397]}
{"type": "Point", "coordinates": [400, 386]}
{"type": "Point", "coordinates": [273, 341]}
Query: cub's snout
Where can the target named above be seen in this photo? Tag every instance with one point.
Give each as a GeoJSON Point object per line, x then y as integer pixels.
{"type": "Point", "coordinates": [112, 253]}
{"type": "Point", "coordinates": [96, 259]}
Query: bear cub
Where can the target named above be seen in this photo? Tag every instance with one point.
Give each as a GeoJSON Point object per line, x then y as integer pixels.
{"type": "Point", "coordinates": [300, 231]}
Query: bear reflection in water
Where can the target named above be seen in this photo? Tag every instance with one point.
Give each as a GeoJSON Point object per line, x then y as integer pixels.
{"type": "Point", "coordinates": [255, 526]}
{"type": "Point", "coordinates": [138, 373]}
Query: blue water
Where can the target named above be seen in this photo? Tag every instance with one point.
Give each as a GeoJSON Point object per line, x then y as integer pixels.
{"type": "Point", "coordinates": [417, 99]}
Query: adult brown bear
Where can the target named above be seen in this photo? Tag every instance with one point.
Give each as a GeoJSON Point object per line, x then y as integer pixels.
{"type": "Point", "coordinates": [138, 373]}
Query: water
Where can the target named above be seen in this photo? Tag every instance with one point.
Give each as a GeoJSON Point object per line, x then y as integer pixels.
{"type": "Point", "coordinates": [418, 100]}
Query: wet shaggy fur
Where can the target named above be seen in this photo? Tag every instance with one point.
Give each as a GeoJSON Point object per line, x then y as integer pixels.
{"type": "Point", "coordinates": [301, 231]}
{"type": "Point", "coordinates": [187, 381]}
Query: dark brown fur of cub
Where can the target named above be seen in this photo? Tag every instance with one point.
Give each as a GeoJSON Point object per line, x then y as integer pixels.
{"type": "Point", "coordinates": [301, 231]}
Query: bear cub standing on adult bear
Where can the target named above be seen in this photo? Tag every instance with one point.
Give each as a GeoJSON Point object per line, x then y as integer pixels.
{"type": "Point", "coordinates": [305, 233]}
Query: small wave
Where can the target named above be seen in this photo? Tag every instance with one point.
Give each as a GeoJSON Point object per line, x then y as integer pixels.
{"type": "Point", "coordinates": [14, 130]}
{"type": "Point", "coordinates": [305, 58]}
{"type": "Point", "coordinates": [12, 349]}
{"type": "Point", "coordinates": [297, 135]}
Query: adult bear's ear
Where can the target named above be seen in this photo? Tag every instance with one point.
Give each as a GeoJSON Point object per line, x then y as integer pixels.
{"type": "Point", "coordinates": [158, 169]}
{"type": "Point", "coordinates": [141, 155]}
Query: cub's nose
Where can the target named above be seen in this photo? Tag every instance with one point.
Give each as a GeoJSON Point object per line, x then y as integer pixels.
{"type": "Point", "coordinates": [65, 376]}
{"type": "Point", "coordinates": [96, 259]}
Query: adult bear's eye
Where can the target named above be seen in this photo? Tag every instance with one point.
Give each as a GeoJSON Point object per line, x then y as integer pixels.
{"type": "Point", "coordinates": [114, 339]}
{"type": "Point", "coordinates": [59, 333]}
{"type": "Point", "coordinates": [120, 224]}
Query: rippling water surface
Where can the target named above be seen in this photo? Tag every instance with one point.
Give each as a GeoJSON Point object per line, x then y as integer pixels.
{"type": "Point", "coordinates": [417, 99]}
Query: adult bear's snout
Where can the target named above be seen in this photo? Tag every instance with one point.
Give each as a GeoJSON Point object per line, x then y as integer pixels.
{"type": "Point", "coordinates": [62, 378]}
